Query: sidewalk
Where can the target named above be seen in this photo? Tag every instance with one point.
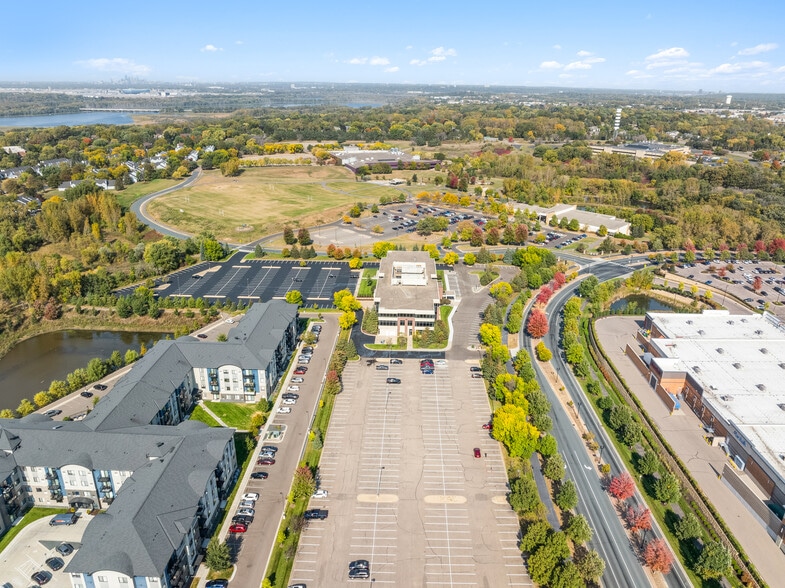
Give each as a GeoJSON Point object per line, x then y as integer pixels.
{"type": "Point", "coordinates": [684, 433]}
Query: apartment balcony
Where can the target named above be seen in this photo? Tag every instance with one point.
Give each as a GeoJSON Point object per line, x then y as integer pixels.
{"type": "Point", "coordinates": [104, 479]}
{"type": "Point", "coordinates": [51, 476]}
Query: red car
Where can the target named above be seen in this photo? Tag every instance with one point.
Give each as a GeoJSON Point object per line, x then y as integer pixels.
{"type": "Point", "coordinates": [238, 528]}
{"type": "Point", "coordinates": [301, 369]}
{"type": "Point", "coordinates": [265, 461]}
{"type": "Point", "coordinates": [488, 426]}
{"type": "Point", "coordinates": [477, 452]}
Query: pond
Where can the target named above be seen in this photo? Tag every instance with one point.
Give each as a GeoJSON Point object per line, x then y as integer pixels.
{"type": "Point", "coordinates": [640, 304]}
{"type": "Point", "coordinates": [31, 365]}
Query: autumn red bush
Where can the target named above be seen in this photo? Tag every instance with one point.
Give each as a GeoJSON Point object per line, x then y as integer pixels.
{"type": "Point", "coordinates": [537, 326]}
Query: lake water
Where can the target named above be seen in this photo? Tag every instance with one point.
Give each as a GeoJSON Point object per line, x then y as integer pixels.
{"type": "Point", "coordinates": [68, 120]}
{"type": "Point", "coordinates": [32, 364]}
{"type": "Point", "coordinates": [643, 304]}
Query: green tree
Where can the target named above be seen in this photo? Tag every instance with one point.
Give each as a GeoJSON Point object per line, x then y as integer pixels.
{"type": "Point", "coordinates": [345, 301]}
{"type": "Point", "coordinates": [303, 484]}
{"type": "Point", "coordinates": [543, 353]}
{"type": "Point", "coordinates": [648, 463]}
{"type": "Point", "coordinates": [567, 575]}
{"type": "Point", "coordinates": [548, 445]}
{"type": "Point", "coordinates": [25, 407]}
{"type": "Point", "coordinates": [590, 565]}
{"type": "Point", "coordinates": [130, 356]}
{"type": "Point", "coordinates": [545, 560]}
{"type": "Point", "coordinates": [535, 536]}
{"type": "Point", "coordinates": [217, 557]}
{"type": "Point", "coordinates": [578, 530]}
{"type": "Point", "coordinates": [213, 250]}
{"type": "Point", "coordinates": [469, 259]}
{"type": "Point", "coordinates": [554, 467]}
{"type": "Point", "coordinates": [304, 237]}
{"type": "Point", "coordinates": [714, 561]}
{"type": "Point", "coordinates": [567, 495]}
{"type": "Point", "coordinates": [667, 488]}
{"type": "Point", "coordinates": [42, 399]}
{"type": "Point", "coordinates": [294, 297]}
{"type": "Point", "coordinates": [96, 369]}
{"type": "Point", "coordinates": [523, 497]}
{"type": "Point", "coordinates": [288, 236]}
{"type": "Point", "coordinates": [163, 255]}
{"type": "Point", "coordinates": [688, 527]}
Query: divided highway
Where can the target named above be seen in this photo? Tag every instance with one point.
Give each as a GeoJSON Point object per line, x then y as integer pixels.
{"type": "Point", "coordinates": [610, 539]}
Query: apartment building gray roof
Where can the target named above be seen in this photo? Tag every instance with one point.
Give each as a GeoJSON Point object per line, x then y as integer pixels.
{"type": "Point", "coordinates": [262, 325]}
{"type": "Point", "coordinates": [155, 508]}
{"type": "Point", "coordinates": [138, 396]}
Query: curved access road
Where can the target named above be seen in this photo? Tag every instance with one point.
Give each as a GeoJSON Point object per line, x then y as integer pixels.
{"type": "Point", "coordinates": [139, 207]}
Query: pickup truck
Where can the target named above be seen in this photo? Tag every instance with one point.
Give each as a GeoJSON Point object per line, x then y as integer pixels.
{"type": "Point", "coordinates": [315, 513]}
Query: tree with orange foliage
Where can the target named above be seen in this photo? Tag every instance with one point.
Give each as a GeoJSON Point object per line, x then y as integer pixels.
{"type": "Point", "coordinates": [537, 326]}
{"type": "Point", "coordinates": [657, 556]}
{"type": "Point", "coordinates": [622, 486]}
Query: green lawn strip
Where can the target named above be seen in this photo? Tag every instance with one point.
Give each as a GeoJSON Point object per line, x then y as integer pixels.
{"type": "Point", "coordinates": [660, 511]}
{"type": "Point", "coordinates": [32, 515]}
{"type": "Point", "coordinates": [235, 415]}
{"type": "Point", "coordinates": [383, 347]}
{"type": "Point", "coordinates": [201, 415]}
{"type": "Point", "coordinates": [136, 191]}
{"type": "Point", "coordinates": [444, 311]}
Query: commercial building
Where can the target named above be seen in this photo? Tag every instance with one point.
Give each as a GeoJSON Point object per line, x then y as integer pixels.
{"type": "Point", "coordinates": [354, 158]}
{"type": "Point", "coordinates": [407, 293]}
{"type": "Point", "coordinates": [160, 477]}
{"type": "Point", "coordinates": [728, 369]}
{"type": "Point", "coordinates": [651, 150]}
{"type": "Point", "coordinates": [588, 221]}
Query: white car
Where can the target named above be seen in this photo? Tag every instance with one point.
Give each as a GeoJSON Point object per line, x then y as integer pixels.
{"type": "Point", "coordinates": [293, 389]}
{"type": "Point", "coordinates": [247, 503]}
{"type": "Point", "coordinates": [230, 321]}
{"type": "Point", "coordinates": [251, 496]}
{"type": "Point", "coordinates": [297, 380]}
{"type": "Point", "coordinates": [289, 401]}
{"type": "Point", "coordinates": [285, 409]}
{"type": "Point", "coordinates": [441, 362]}
{"type": "Point", "coordinates": [246, 512]}
{"type": "Point", "coordinates": [319, 494]}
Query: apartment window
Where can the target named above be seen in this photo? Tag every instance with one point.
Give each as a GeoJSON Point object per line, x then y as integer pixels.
{"type": "Point", "coordinates": [69, 472]}
{"type": "Point", "coordinates": [102, 578]}
{"type": "Point", "coordinates": [122, 580]}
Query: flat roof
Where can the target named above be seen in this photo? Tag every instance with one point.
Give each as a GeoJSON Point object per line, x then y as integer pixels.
{"type": "Point", "coordinates": [401, 298]}
{"type": "Point", "coordinates": [739, 362]}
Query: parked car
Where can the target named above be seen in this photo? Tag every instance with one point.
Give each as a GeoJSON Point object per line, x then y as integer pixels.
{"type": "Point", "coordinates": [265, 461]}
{"type": "Point", "coordinates": [238, 528]}
{"type": "Point", "coordinates": [381, 366]}
{"type": "Point", "coordinates": [272, 448]}
{"type": "Point", "coordinates": [395, 361]}
{"type": "Point", "coordinates": [359, 574]}
{"type": "Point", "coordinates": [477, 452]}
{"type": "Point", "coordinates": [294, 388]}
{"type": "Point", "coordinates": [300, 370]}
{"type": "Point", "coordinates": [393, 380]}
{"type": "Point", "coordinates": [441, 362]}
{"type": "Point", "coordinates": [264, 454]}
{"type": "Point", "coordinates": [476, 375]}
{"type": "Point", "coordinates": [285, 409]}
{"type": "Point", "coordinates": [475, 368]}
{"type": "Point", "coordinates": [259, 475]}
{"type": "Point", "coordinates": [427, 371]}
{"type": "Point", "coordinates": [202, 336]}
{"type": "Point", "coordinates": [319, 494]}
{"type": "Point", "coordinates": [247, 503]}
{"type": "Point", "coordinates": [241, 520]}
{"type": "Point", "coordinates": [55, 563]}
{"type": "Point", "coordinates": [359, 564]}
{"type": "Point", "coordinates": [64, 549]}
{"type": "Point", "coordinates": [289, 401]}
{"type": "Point", "coordinates": [246, 512]}
{"type": "Point", "coordinates": [52, 413]}
{"type": "Point", "coordinates": [297, 380]}
{"type": "Point", "coordinates": [290, 395]}
{"type": "Point", "coordinates": [100, 387]}
{"type": "Point", "coordinates": [251, 496]}
{"type": "Point", "coordinates": [86, 394]}
{"type": "Point", "coordinates": [315, 513]}
{"type": "Point", "coordinates": [217, 584]}
{"type": "Point", "coordinates": [41, 577]}
{"type": "Point", "coordinates": [488, 426]}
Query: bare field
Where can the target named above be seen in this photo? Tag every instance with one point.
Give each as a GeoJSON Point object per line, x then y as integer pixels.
{"type": "Point", "coordinates": [262, 200]}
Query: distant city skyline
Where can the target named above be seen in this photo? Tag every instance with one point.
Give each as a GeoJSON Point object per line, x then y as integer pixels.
{"type": "Point", "coordinates": [718, 47]}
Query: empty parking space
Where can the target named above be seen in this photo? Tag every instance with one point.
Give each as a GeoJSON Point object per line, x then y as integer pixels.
{"type": "Point", "coordinates": [405, 490]}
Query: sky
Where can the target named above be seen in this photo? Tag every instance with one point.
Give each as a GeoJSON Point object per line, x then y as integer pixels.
{"type": "Point", "coordinates": [712, 46]}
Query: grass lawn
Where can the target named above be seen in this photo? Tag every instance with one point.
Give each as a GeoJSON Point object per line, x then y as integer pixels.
{"type": "Point", "coordinates": [136, 191]}
{"type": "Point", "coordinates": [201, 415]}
{"type": "Point", "coordinates": [32, 515]}
{"type": "Point", "coordinates": [233, 414]}
{"type": "Point", "coordinates": [262, 200]}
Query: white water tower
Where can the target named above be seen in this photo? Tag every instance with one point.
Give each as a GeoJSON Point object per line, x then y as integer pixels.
{"type": "Point", "coordinates": [728, 99]}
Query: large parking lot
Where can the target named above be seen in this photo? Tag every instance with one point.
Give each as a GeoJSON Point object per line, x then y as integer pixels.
{"type": "Point", "coordinates": [259, 280]}
{"type": "Point", "coordinates": [405, 490]}
{"type": "Point", "coordinates": [739, 281]}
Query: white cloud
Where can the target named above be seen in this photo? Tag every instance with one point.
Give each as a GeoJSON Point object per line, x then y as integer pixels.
{"type": "Point", "coordinates": [669, 54]}
{"type": "Point", "coordinates": [418, 62]}
{"type": "Point", "coordinates": [583, 53]}
{"type": "Point", "coordinates": [731, 68]}
{"type": "Point", "coordinates": [442, 52]}
{"type": "Point", "coordinates": [551, 65]}
{"type": "Point", "coordinates": [762, 48]}
{"type": "Point", "coordinates": [557, 47]}
{"type": "Point", "coordinates": [392, 69]}
{"type": "Point", "coordinates": [576, 65]}
{"type": "Point", "coordinates": [369, 61]}
{"type": "Point", "coordinates": [358, 61]}
{"type": "Point", "coordinates": [210, 48]}
{"type": "Point", "coordinates": [379, 61]}
{"type": "Point", "coordinates": [409, 47]}
{"type": "Point", "coordinates": [115, 64]}
{"type": "Point", "coordinates": [594, 60]}
{"type": "Point", "coordinates": [238, 43]}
